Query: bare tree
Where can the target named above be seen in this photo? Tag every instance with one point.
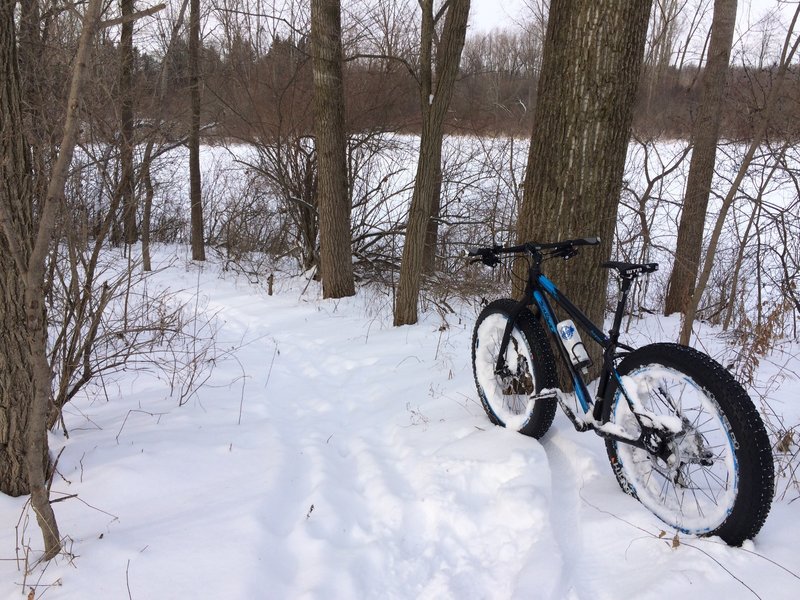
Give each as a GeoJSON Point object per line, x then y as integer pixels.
{"type": "Point", "coordinates": [705, 135]}
{"type": "Point", "coordinates": [664, 28]}
{"type": "Point", "coordinates": [333, 197]}
{"type": "Point", "coordinates": [29, 219]}
{"type": "Point", "coordinates": [436, 81]}
{"type": "Point", "coordinates": [27, 248]}
{"type": "Point", "coordinates": [789, 51]}
{"type": "Point", "coordinates": [16, 208]}
{"type": "Point", "coordinates": [127, 184]}
{"type": "Point", "coordinates": [145, 174]}
{"type": "Point", "coordinates": [195, 193]}
{"type": "Point", "coordinates": [592, 58]}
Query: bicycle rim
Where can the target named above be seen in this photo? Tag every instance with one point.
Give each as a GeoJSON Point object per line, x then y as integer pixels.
{"type": "Point", "coordinates": [507, 396]}
{"type": "Point", "coordinates": [697, 490]}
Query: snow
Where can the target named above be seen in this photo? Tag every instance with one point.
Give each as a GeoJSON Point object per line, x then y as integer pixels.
{"type": "Point", "coordinates": [332, 455]}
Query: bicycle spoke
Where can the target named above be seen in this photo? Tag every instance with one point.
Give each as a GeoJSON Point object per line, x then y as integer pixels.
{"type": "Point", "coordinates": [695, 492]}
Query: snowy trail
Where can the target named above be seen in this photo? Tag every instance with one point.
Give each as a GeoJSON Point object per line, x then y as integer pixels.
{"type": "Point", "coordinates": [381, 488]}
{"type": "Point", "coordinates": [363, 467]}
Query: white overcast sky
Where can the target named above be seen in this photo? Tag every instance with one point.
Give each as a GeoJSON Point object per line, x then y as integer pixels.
{"type": "Point", "coordinates": [488, 14]}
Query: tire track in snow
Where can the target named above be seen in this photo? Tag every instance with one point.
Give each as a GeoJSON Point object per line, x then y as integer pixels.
{"type": "Point", "coordinates": [565, 515]}
{"type": "Point", "coordinates": [405, 505]}
{"type": "Point", "coordinates": [399, 506]}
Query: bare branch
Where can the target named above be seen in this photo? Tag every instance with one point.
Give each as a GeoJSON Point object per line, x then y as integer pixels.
{"type": "Point", "coordinates": [134, 17]}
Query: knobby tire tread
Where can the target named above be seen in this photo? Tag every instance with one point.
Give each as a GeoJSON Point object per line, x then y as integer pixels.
{"type": "Point", "coordinates": [544, 366]}
{"type": "Point", "coordinates": [754, 455]}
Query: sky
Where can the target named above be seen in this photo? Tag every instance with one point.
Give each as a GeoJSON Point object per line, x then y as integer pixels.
{"type": "Point", "coordinates": [488, 14]}
{"type": "Point", "coordinates": [749, 38]}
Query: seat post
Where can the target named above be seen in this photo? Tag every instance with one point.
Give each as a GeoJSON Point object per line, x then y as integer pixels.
{"type": "Point", "coordinates": [624, 287]}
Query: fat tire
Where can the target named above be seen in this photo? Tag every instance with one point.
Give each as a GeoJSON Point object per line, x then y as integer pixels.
{"type": "Point", "coordinates": [543, 366]}
{"type": "Point", "coordinates": [751, 445]}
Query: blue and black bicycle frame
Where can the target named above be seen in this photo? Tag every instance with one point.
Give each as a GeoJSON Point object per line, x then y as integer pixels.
{"type": "Point", "coordinates": [539, 291]}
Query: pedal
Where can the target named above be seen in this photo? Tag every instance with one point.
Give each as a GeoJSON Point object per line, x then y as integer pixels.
{"type": "Point", "coordinates": [579, 423]}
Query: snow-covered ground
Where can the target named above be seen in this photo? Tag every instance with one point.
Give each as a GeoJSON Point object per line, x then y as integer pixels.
{"type": "Point", "coordinates": [332, 455]}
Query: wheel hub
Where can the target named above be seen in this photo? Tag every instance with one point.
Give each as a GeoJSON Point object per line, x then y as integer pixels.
{"type": "Point", "coordinates": [671, 452]}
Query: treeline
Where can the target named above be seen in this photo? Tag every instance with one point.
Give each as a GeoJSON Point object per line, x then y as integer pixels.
{"type": "Point", "coordinates": [250, 95]}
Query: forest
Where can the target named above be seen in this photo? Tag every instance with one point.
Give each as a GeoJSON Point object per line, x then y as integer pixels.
{"type": "Point", "coordinates": [196, 195]}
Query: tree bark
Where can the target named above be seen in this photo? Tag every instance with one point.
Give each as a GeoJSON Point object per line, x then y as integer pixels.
{"type": "Point", "coordinates": [591, 63]}
{"type": "Point", "coordinates": [195, 194]}
{"type": "Point", "coordinates": [16, 233]}
{"type": "Point", "coordinates": [436, 91]}
{"type": "Point", "coordinates": [333, 198]}
{"type": "Point", "coordinates": [432, 231]}
{"type": "Point", "coordinates": [705, 138]}
{"type": "Point", "coordinates": [130, 232]}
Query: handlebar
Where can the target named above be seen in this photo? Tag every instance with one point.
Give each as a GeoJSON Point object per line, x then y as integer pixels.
{"type": "Point", "coordinates": [564, 248]}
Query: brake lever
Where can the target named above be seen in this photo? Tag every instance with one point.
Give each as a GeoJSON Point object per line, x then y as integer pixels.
{"type": "Point", "coordinates": [569, 253]}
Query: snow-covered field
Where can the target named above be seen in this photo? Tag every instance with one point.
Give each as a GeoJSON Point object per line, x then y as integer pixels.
{"type": "Point", "coordinates": [332, 455]}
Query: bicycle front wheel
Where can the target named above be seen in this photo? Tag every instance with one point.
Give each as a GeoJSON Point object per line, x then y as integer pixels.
{"type": "Point", "coordinates": [716, 477]}
{"type": "Point", "coordinates": [529, 368]}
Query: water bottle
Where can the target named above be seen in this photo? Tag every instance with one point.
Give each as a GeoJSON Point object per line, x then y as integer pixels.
{"type": "Point", "coordinates": [573, 344]}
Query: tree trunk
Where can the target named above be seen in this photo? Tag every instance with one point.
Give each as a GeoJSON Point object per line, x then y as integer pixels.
{"type": "Point", "coordinates": [705, 137]}
{"type": "Point", "coordinates": [16, 233]}
{"type": "Point", "coordinates": [592, 59]}
{"type": "Point", "coordinates": [130, 232]}
{"type": "Point", "coordinates": [788, 53]}
{"type": "Point", "coordinates": [16, 385]}
{"type": "Point", "coordinates": [147, 158]}
{"type": "Point", "coordinates": [435, 99]}
{"type": "Point", "coordinates": [26, 398]}
{"type": "Point", "coordinates": [149, 193]}
{"type": "Point", "coordinates": [432, 232]}
{"type": "Point", "coordinates": [333, 199]}
{"type": "Point", "coordinates": [195, 196]}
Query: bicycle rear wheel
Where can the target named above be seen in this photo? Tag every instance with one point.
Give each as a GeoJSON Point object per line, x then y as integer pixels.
{"type": "Point", "coordinates": [530, 368]}
{"type": "Point", "coordinates": [717, 476]}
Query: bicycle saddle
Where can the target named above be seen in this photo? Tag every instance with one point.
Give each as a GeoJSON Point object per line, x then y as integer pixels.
{"type": "Point", "coordinates": [630, 270]}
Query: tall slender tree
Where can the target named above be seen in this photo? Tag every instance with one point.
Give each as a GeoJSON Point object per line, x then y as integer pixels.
{"type": "Point", "coordinates": [127, 185]}
{"type": "Point", "coordinates": [590, 72]}
{"type": "Point", "coordinates": [791, 46]}
{"type": "Point", "coordinates": [437, 76]}
{"type": "Point", "coordinates": [195, 192]}
{"type": "Point", "coordinates": [333, 198]}
{"type": "Point", "coordinates": [705, 137]}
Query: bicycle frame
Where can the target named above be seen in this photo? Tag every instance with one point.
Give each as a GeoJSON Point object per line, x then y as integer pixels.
{"type": "Point", "coordinates": [537, 291]}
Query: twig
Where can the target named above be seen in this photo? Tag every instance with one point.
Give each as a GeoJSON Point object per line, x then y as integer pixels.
{"type": "Point", "coordinates": [724, 568]}
{"type": "Point", "coordinates": [683, 543]}
{"type": "Point", "coordinates": [79, 499]}
{"type": "Point", "coordinates": [127, 579]}
{"type": "Point", "coordinates": [125, 420]}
